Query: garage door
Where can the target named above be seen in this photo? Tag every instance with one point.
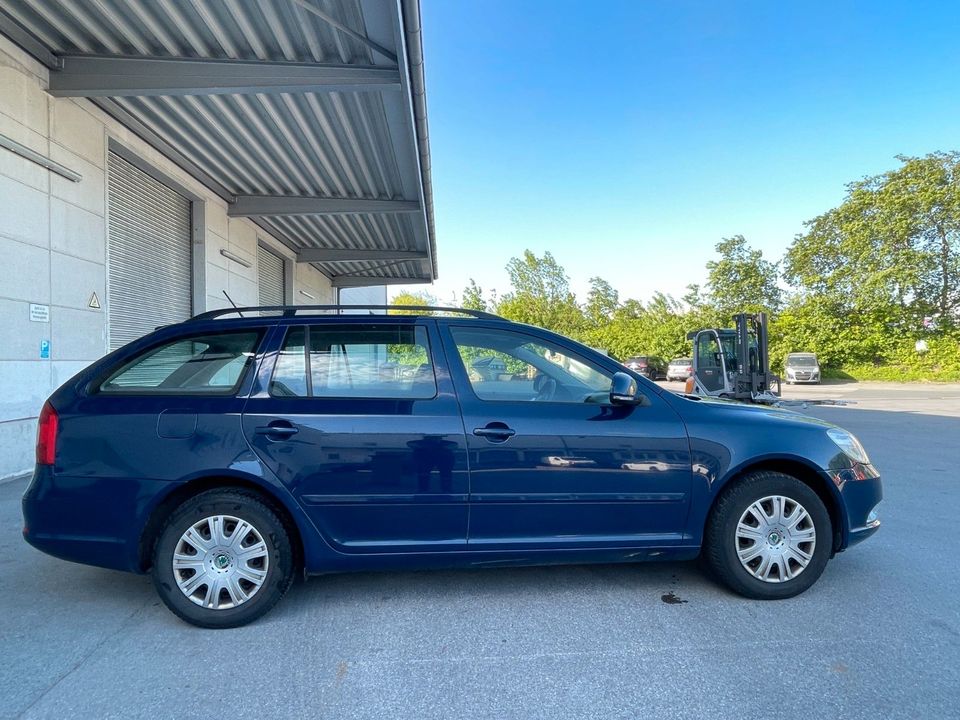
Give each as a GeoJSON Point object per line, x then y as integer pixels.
{"type": "Point", "coordinates": [273, 291]}
{"type": "Point", "coordinates": [150, 277]}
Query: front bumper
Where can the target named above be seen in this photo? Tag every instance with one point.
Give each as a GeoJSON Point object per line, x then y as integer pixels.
{"type": "Point", "coordinates": [861, 491]}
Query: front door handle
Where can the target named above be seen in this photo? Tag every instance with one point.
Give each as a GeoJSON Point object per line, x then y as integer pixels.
{"type": "Point", "coordinates": [277, 430]}
{"type": "Point", "coordinates": [497, 432]}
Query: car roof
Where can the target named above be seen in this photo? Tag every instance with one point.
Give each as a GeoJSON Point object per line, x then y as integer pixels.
{"type": "Point", "coordinates": [240, 317]}
{"type": "Point", "coordinates": [286, 312]}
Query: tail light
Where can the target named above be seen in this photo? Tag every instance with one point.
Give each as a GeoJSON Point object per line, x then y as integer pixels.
{"type": "Point", "coordinates": [47, 435]}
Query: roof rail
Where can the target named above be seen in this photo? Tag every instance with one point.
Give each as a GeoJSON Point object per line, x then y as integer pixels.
{"type": "Point", "coordinates": [294, 310]}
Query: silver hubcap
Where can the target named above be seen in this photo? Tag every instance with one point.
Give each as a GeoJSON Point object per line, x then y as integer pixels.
{"type": "Point", "coordinates": [776, 538]}
{"type": "Point", "coordinates": [220, 562]}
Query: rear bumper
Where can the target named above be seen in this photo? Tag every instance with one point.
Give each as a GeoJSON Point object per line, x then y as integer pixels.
{"type": "Point", "coordinates": [94, 521]}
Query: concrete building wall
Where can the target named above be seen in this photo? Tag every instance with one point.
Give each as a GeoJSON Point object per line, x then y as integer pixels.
{"type": "Point", "coordinates": [53, 246]}
{"type": "Point", "coordinates": [371, 295]}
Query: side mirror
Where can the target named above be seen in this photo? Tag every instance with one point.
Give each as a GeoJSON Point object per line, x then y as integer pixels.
{"type": "Point", "coordinates": [623, 391]}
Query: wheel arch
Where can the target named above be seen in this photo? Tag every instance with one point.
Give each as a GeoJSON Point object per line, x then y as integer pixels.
{"type": "Point", "coordinates": [802, 471]}
{"type": "Point", "coordinates": [213, 481]}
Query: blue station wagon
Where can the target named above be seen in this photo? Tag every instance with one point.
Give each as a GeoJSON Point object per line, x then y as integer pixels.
{"type": "Point", "coordinates": [227, 454]}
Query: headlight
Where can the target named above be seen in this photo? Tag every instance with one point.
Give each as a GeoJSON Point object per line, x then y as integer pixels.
{"type": "Point", "coordinates": [849, 444]}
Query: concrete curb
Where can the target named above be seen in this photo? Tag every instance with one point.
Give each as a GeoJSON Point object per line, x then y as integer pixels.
{"type": "Point", "coordinates": [11, 478]}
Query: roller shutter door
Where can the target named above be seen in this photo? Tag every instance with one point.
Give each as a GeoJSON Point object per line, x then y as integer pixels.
{"type": "Point", "coordinates": [150, 277]}
{"type": "Point", "coordinates": [270, 270]}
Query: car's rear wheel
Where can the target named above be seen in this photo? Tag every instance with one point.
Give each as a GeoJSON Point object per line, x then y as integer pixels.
{"type": "Point", "coordinates": [223, 559]}
{"type": "Point", "coordinates": [768, 537]}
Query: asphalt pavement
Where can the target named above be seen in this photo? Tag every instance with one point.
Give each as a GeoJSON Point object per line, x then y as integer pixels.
{"type": "Point", "coordinates": [877, 636]}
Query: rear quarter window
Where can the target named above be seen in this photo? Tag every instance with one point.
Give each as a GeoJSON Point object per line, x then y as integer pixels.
{"type": "Point", "coordinates": [210, 364]}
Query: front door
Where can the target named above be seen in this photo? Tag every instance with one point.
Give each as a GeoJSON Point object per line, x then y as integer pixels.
{"type": "Point", "coordinates": [552, 463]}
{"type": "Point", "coordinates": [361, 423]}
{"type": "Point", "coordinates": [709, 362]}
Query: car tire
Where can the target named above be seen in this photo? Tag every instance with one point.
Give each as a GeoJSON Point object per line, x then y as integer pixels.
{"type": "Point", "coordinates": [241, 577]}
{"type": "Point", "coordinates": [739, 554]}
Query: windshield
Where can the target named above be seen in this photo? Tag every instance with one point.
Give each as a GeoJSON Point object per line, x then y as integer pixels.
{"type": "Point", "coordinates": [802, 361]}
{"type": "Point", "coordinates": [729, 343]}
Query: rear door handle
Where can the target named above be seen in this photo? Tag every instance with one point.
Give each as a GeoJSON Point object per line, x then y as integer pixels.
{"type": "Point", "coordinates": [278, 430]}
{"type": "Point", "coordinates": [498, 433]}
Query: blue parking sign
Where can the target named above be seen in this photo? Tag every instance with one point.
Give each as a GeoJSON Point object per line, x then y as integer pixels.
{"type": "Point", "coordinates": [44, 349]}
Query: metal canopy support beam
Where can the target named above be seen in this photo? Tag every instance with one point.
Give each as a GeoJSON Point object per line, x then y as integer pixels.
{"type": "Point", "coordinates": [16, 32]}
{"type": "Point", "coordinates": [342, 281]}
{"type": "Point", "coordinates": [321, 255]}
{"type": "Point", "coordinates": [254, 205]}
{"type": "Point", "coordinates": [91, 76]}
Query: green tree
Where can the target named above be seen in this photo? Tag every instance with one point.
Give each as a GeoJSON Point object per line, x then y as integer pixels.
{"type": "Point", "coordinates": [540, 295]}
{"type": "Point", "coordinates": [741, 279]}
{"type": "Point", "coordinates": [891, 250]}
{"type": "Point", "coordinates": [473, 298]}
{"type": "Point", "coordinates": [603, 301]}
{"type": "Point", "coordinates": [413, 298]}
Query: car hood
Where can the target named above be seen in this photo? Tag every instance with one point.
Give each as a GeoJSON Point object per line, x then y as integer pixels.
{"type": "Point", "coordinates": [719, 407]}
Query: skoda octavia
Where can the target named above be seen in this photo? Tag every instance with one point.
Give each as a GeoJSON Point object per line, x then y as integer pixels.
{"type": "Point", "coordinates": [228, 454]}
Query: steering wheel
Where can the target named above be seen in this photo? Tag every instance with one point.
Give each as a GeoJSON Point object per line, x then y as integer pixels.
{"type": "Point", "coordinates": [546, 388]}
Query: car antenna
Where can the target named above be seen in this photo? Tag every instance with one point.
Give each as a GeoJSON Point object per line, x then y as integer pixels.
{"type": "Point", "coordinates": [232, 303]}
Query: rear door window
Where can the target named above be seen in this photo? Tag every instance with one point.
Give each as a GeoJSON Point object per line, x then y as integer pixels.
{"type": "Point", "coordinates": [375, 361]}
{"type": "Point", "coordinates": [212, 364]}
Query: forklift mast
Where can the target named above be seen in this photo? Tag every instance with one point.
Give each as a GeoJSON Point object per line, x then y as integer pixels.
{"type": "Point", "coordinates": [740, 369]}
{"type": "Point", "coordinates": [753, 367]}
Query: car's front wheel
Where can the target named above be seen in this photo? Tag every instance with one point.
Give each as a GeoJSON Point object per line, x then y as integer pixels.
{"type": "Point", "coordinates": [768, 537]}
{"type": "Point", "coordinates": [223, 559]}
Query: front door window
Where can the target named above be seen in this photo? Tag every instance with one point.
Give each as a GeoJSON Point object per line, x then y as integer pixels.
{"type": "Point", "coordinates": [510, 366]}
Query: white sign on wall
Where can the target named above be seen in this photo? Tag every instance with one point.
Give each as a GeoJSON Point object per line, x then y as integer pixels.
{"type": "Point", "coordinates": [39, 313]}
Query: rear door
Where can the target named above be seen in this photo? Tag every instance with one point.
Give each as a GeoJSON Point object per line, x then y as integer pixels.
{"type": "Point", "coordinates": [360, 421]}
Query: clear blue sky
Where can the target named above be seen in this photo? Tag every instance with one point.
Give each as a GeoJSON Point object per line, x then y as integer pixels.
{"type": "Point", "coordinates": [629, 137]}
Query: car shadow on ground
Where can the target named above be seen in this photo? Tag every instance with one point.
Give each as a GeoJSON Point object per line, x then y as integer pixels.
{"type": "Point", "coordinates": [645, 579]}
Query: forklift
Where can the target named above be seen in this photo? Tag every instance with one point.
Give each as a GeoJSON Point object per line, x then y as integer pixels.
{"type": "Point", "coordinates": [734, 364]}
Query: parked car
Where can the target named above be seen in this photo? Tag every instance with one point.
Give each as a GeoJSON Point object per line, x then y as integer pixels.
{"type": "Point", "coordinates": [680, 369]}
{"type": "Point", "coordinates": [227, 455]}
{"type": "Point", "coordinates": [649, 366]}
{"type": "Point", "coordinates": [801, 367]}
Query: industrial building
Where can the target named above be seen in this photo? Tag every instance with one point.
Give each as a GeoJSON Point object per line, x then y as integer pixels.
{"type": "Point", "coordinates": [159, 156]}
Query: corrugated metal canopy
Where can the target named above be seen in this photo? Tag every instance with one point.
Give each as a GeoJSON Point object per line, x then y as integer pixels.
{"type": "Point", "coordinates": [308, 116]}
